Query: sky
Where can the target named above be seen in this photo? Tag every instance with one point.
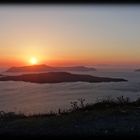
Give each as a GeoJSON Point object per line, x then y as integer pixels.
{"type": "Point", "coordinates": [92, 35]}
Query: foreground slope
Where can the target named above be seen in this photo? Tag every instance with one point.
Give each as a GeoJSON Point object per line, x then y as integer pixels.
{"type": "Point", "coordinates": [104, 118]}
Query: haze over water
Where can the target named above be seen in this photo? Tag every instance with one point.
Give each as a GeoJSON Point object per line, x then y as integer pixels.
{"type": "Point", "coordinates": [32, 98]}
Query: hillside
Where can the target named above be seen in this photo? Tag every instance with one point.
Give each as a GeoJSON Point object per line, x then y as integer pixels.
{"type": "Point", "coordinates": [105, 118]}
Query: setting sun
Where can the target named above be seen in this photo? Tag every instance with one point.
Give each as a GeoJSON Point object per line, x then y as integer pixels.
{"type": "Point", "coordinates": [33, 61]}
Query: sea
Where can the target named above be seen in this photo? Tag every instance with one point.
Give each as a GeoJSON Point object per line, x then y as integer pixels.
{"type": "Point", "coordinates": [32, 98]}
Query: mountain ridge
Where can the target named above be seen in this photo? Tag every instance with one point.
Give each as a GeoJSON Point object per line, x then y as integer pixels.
{"type": "Point", "coordinates": [43, 67]}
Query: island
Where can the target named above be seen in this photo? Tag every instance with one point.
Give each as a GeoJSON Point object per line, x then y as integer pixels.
{"type": "Point", "coordinates": [58, 77]}
{"type": "Point", "coordinates": [137, 70]}
{"type": "Point", "coordinates": [43, 67]}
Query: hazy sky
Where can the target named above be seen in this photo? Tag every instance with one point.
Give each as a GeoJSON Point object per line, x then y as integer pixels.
{"type": "Point", "coordinates": [59, 35]}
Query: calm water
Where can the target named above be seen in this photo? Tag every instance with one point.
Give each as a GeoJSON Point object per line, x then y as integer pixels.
{"type": "Point", "coordinates": [32, 98]}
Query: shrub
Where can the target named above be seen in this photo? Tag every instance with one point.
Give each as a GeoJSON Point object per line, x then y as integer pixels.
{"type": "Point", "coordinates": [74, 105]}
{"type": "Point", "coordinates": [137, 101]}
{"type": "Point", "coordinates": [123, 100]}
{"type": "Point", "coordinates": [81, 102]}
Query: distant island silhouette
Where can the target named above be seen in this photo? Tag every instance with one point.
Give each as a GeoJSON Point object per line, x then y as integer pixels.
{"type": "Point", "coordinates": [137, 70]}
{"type": "Point", "coordinates": [42, 68]}
{"type": "Point", "coordinates": [58, 77]}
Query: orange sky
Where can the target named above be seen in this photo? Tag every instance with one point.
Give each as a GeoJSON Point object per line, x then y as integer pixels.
{"type": "Point", "coordinates": [69, 35]}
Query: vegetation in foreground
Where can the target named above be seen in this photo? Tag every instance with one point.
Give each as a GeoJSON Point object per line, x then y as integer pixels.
{"type": "Point", "coordinates": [109, 116]}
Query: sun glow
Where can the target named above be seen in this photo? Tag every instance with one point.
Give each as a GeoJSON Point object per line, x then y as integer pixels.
{"type": "Point", "coordinates": [33, 60]}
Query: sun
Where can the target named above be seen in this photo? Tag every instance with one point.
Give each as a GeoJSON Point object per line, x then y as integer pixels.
{"type": "Point", "coordinates": [33, 61]}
